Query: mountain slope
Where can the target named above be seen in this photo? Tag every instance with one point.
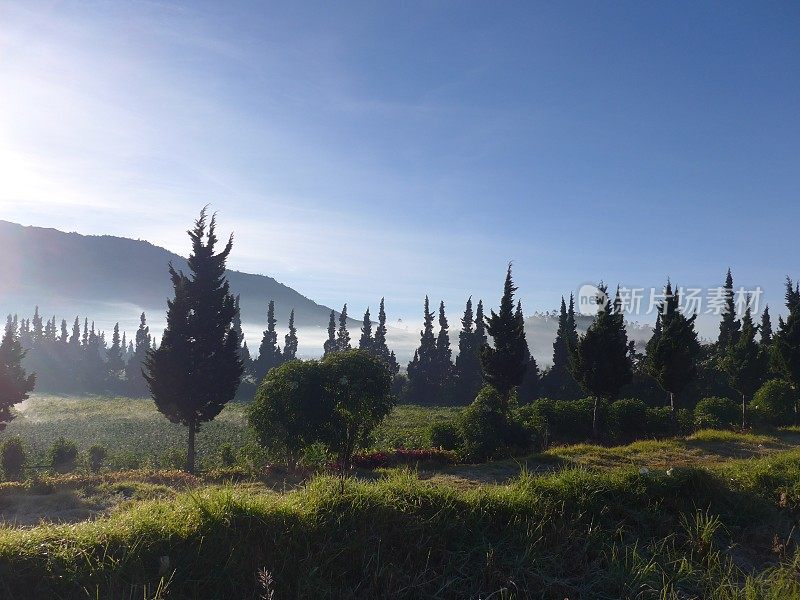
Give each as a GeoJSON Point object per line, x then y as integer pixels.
{"type": "Point", "coordinates": [68, 274]}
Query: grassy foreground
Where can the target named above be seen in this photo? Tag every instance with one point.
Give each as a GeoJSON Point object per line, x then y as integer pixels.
{"type": "Point", "coordinates": [724, 531]}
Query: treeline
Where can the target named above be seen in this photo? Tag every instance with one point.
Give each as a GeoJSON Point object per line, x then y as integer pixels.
{"type": "Point", "coordinates": [80, 358]}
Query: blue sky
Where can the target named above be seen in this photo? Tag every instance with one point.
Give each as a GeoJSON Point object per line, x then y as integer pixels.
{"type": "Point", "coordinates": [364, 149]}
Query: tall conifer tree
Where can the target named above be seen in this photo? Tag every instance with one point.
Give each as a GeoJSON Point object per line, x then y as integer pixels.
{"type": "Point", "coordinates": [469, 377]}
{"type": "Point", "coordinates": [443, 370]}
{"type": "Point", "coordinates": [330, 343]}
{"type": "Point", "coordinates": [529, 387]}
{"type": "Point", "coordinates": [115, 366]}
{"type": "Point", "coordinates": [196, 370]}
{"type": "Point", "coordinates": [673, 350]}
{"type": "Point", "coordinates": [504, 362]}
{"type": "Point", "coordinates": [269, 353]}
{"type": "Point", "coordinates": [379, 342]}
{"type": "Point", "coordinates": [601, 363]}
{"type": "Point", "coordinates": [765, 329]}
{"type": "Point", "coordinates": [729, 325]}
{"type": "Point", "coordinates": [745, 363]}
{"type": "Point", "coordinates": [342, 335]}
{"type": "Point", "coordinates": [786, 341]}
{"type": "Point", "coordinates": [15, 383]}
{"type": "Point", "coordinates": [290, 340]}
{"type": "Point", "coordinates": [423, 388]}
{"type": "Point", "coordinates": [366, 341]}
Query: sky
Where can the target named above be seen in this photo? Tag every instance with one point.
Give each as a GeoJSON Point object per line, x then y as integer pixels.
{"type": "Point", "coordinates": [368, 149]}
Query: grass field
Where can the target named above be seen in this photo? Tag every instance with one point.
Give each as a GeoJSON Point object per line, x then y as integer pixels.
{"type": "Point", "coordinates": [712, 515]}
{"type": "Point", "coordinates": [721, 532]}
{"type": "Point", "coordinates": [139, 436]}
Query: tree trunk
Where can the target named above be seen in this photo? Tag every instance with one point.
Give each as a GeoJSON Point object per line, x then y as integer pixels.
{"type": "Point", "coordinates": [744, 412]}
{"type": "Point", "coordinates": [190, 452]}
{"type": "Point", "coordinates": [673, 414]}
{"type": "Point", "coordinates": [594, 418]}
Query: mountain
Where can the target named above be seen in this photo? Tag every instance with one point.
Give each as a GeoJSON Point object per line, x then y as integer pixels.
{"type": "Point", "coordinates": [111, 279]}
{"type": "Point", "coordinates": [114, 279]}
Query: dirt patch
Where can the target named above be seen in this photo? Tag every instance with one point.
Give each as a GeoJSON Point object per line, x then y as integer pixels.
{"type": "Point", "coordinates": [21, 508]}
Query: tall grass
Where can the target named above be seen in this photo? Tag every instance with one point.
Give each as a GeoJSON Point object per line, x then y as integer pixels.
{"type": "Point", "coordinates": [692, 533]}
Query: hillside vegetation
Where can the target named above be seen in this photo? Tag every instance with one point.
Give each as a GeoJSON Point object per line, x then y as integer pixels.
{"type": "Point", "coordinates": [687, 532]}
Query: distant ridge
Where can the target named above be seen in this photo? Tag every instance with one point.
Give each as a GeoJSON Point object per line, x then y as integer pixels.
{"type": "Point", "coordinates": [71, 273]}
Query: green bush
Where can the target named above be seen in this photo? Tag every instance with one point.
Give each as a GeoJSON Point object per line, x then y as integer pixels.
{"type": "Point", "coordinates": [97, 458]}
{"type": "Point", "coordinates": [774, 403]}
{"type": "Point", "coordinates": [560, 421]}
{"type": "Point", "coordinates": [227, 456]}
{"type": "Point", "coordinates": [488, 431]}
{"type": "Point", "coordinates": [13, 458]}
{"type": "Point", "coordinates": [445, 436]}
{"type": "Point", "coordinates": [483, 426]}
{"type": "Point", "coordinates": [717, 413]}
{"type": "Point", "coordinates": [63, 456]}
{"type": "Point", "coordinates": [658, 421]}
{"type": "Point", "coordinates": [627, 419]}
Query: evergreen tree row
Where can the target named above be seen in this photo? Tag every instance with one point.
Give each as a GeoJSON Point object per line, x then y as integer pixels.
{"type": "Point", "coordinates": [80, 359]}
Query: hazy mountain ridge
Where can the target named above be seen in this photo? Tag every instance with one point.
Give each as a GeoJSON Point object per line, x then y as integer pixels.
{"type": "Point", "coordinates": [70, 273]}
{"type": "Point", "coordinates": [112, 279]}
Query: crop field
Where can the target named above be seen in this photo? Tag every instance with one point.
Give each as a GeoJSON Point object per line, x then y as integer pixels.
{"type": "Point", "coordinates": [137, 435]}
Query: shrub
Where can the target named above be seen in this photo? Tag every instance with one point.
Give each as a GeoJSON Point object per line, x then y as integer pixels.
{"type": "Point", "coordinates": [483, 426]}
{"type": "Point", "coordinates": [13, 458]}
{"type": "Point", "coordinates": [63, 455]}
{"type": "Point", "coordinates": [774, 403]}
{"type": "Point", "coordinates": [487, 431]}
{"type": "Point", "coordinates": [658, 421]}
{"type": "Point", "coordinates": [402, 456]}
{"type": "Point", "coordinates": [627, 419]}
{"type": "Point", "coordinates": [227, 456]}
{"type": "Point", "coordinates": [358, 392]}
{"type": "Point", "coordinates": [560, 421]}
{"type": "Point", "coordinates": [445, 436]}
{"type": "Point", "coordinates": [290, 409]}
{"type": "Point", "coordinates": [716, 413]}
{"type": "Point", "coordinates": [97, 457]}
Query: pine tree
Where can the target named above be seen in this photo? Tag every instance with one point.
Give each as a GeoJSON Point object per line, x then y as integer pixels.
{"type": "Point", "coordinates": [505, 362]}
{"type": "Point", "coordinates": [443, 369]}
{"type": "Point", "coordinates": [330, 343]}
{"type": "Point", "coordinates": [37, 331]}
{"type": "Point", "coordinates": [15, 383]}
{"type": "Point", "coordinates": [601, 362]}
{"type": "Point", "coordinates": [64, 337]}
{"type": "Point", "coordinates": [560, 346]}
{"type": "Point", "coordinates": [673, 350]}
{"type": "Point", "coordinates": [469, 377]}
{"type": "Point", "coordinates": [133, 369]}
{"type": "Point", "coordinates": [342, 335]}
{"type": "Point", "coordinates": [765, 328]}
{"type": "Point", "coordinates": [529, 387]}
{"type": "Point", "coordinates": [745, 363]}
{"type": "Point", "coordinates": [269, 353]}
{"type": "Point", "coordinates": [786, 342]}
{"type": "Point", "coordinates": [75, 338]}
{"type": "Point", "coordinates": [558, 382]}
{"type": "Point", "coordinates": [196, 370]}
{"type": "Point", "coordinates": [423, 388]}
{"type": "Point", "coordinates": [290, 340]}
{"type": "Point", "coordinates": [380, 347]}
{"type": "Point", "coordinates": [366, 341]}
{"type": "Point", "coordinates": [237, 327]}
{"type": "Point", "coordinates": [729, 326]}
{"type": "Point", "coordinates": [480, 328]}
{"type": "Point", "coordinates": [115, 366]}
